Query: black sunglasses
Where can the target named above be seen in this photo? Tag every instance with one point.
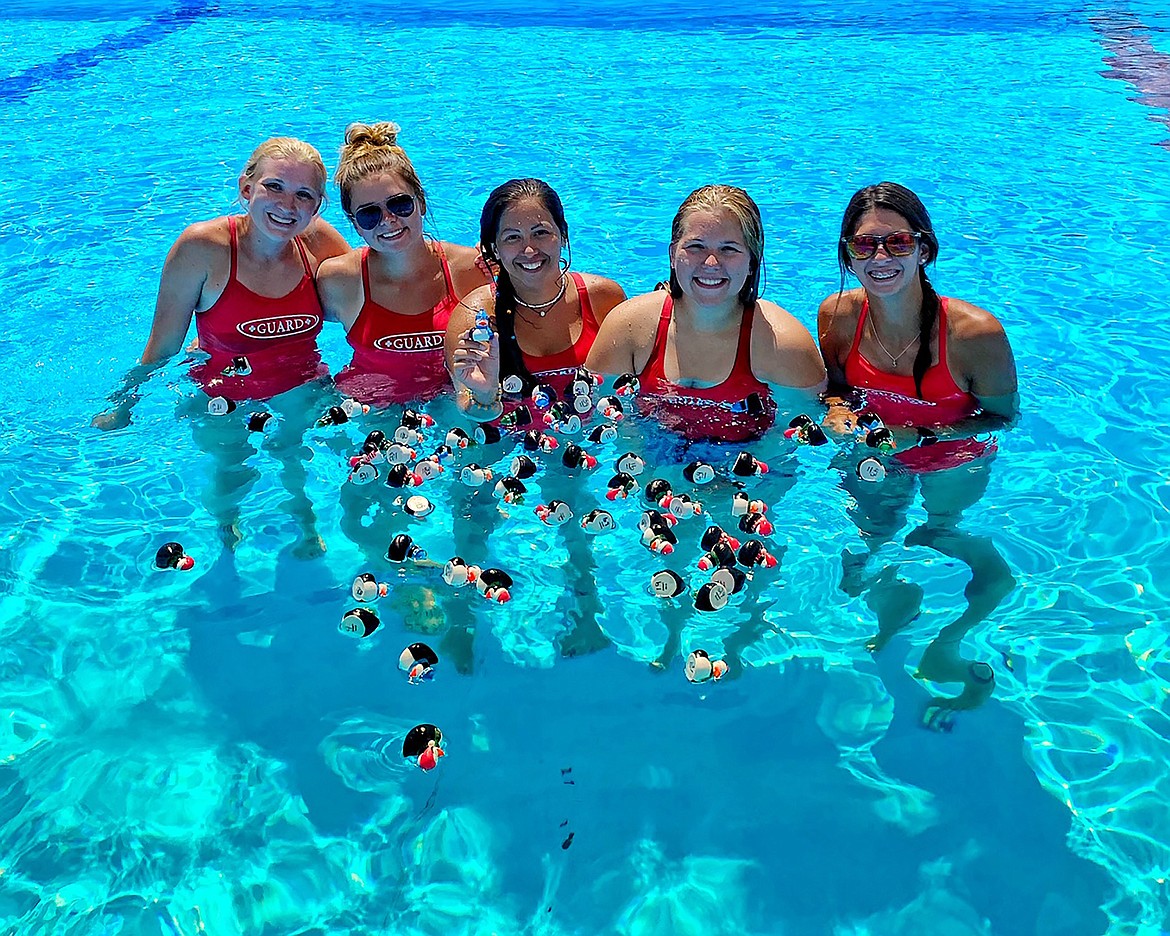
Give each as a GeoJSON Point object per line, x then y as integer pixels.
{"type": "Point", "coordinates": [368, 217]}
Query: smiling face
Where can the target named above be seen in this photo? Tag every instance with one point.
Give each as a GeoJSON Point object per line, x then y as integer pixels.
{"type": "Point", "coordinates": [710, 258]}
{"type": "Point", "coordinates": [528, 243]}
{"type": "Point", "coordinates": [393, 233]}
{"type": "Point", "coordinates": [884, 274]}
{"type": "Point", "coordinates": [282, 196]}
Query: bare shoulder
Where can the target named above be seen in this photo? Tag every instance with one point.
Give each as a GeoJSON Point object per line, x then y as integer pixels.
{"type": "Point", "coordinates": [784, 352]}
{"type": "Point", "coordinates": [340, 274]}
{"type": "Point", "coordinates": [481, 298]}
{"type": "Point", "coordinates": [838, 312]}
{"type": "Point", "coordinates": [604, 294]}
{"type": "Point", "coordinates": [967, 322]}
{"type": "Point", "coordinates": [458, 256]}
{"type": "Point", "coordinates": [640, 309]}
{"type": "Point", "coordinates": [466, 265]}
{"type": "Point", "coordinates": [206, 237]}
{"type": "Point", "coordinates": [323, 240]}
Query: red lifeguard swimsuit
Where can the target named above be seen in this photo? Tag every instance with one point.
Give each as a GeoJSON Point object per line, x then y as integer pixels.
{"type": "Point", "coordinates": [572, 357]}
{"type": "Point", "coordinates": [278, 336]}
{"type": "Point", "coordinates": [707, 412]}
{"type": "Point", "coordinates": [398, 357]}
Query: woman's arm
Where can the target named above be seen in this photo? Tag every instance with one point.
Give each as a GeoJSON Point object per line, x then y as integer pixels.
{"type": "Point", "coordinates": [339, 287]}
{"type": "Point", "coordinates": [323, 240]}
{"type": "Point", "coordinates": [626, 338]}
{"type": "Point", "coordinates": [474, 365]}
{"type": "Point", "coordinates": [978, 349]}
{"type": "Point", "coordinates": [604, 295]}
{"type": "Point", "coordinates": [468, 270]}
{"type": "Point", "coordinates": [784, 354]}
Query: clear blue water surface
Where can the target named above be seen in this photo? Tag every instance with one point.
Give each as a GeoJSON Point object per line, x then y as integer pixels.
{"type": "Point", "coordinates": [203, 752]}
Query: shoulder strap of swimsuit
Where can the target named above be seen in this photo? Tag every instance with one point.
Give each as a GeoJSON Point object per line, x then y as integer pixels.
{"type": "Point", "coordinates": [743, 352]}
{"type": "Point", "coordinates": [446, 269]}
{"type": "Point", "coordinates": [366, 274]}
{"type": "Point", "coordinates": [658, 352]}
{"type": "Point", "coordinates": [855, 348]}
{"type": "Point", "coordinates": [583, 298]}
{"type": "Point", "coordinates": [304, 257]}
{"type": "Point", "coordinates": [232, 274]}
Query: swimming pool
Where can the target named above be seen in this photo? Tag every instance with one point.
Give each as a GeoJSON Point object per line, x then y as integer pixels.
{"type": "Point", "coordinates": [206, 749]}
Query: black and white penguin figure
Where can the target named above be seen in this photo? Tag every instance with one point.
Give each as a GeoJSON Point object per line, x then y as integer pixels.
{"type": "Point", "coordinates": [423, 745]}
{"type": "Point", "coordinates": [374, 445]}
{"type": "Point", "coordinates": [582, 384]}
{"type": "Point", "coordinates": [522, 467]}
{"type": "Point", "coordinates": [652, 518]}
{"type": "Point", "coordinates": [473, 475]}
{"type": "Point", "coordinates": [881, 439]}
{"type": "Point", "coordinates": [721, 554]}
{"type": "Point", "coordinates": [576, 457]}
{"type": "Point", "coordinates": [413, 419]}
{"type": "Point", "coordinates": [871, 469]}
{"type": "Point", "coordinates": [741, 504]}
{"type": "Point", "coordinates": [711, 596]}
{"type": "Point", "coordinates": [518, 418]}
{"type": "Point", "coordinates": [494, 585]}
{"type": "Point", "coordinates": [611, 408]}
{"type": "Point", "coordinates": [700, 667]}
{"type": "Point", "coordinates": [631, 463]}
{"type": "Point", "coordinates": [402, 548]}
{"type": "Point", "coordinates": [602, 433]}
{"type": "Point", "coordinates": [220, 406]}
{"type": "Point", "coordinates": [753, 553]}
{"type": "Point", "coordinates": [667, 584]}
{"type": "Point", "coordinates": [627, 385]}
{"type": "Point", "coordinates": [537, 441]}
{"type": "Point", "coordinates": [173, 556]}
{"type": "Point", "coordinates": [481, 327]}
{"type": "Point", "coordinates": [659, 538]}
{"type": "Point", "coordinates": [456, 438]}
{"type": "Point", "coordinates": [554, 513]}
{"type": "Point", "coordinates": [239, 367]}
{"type": "Point", "coordinates": [731, 577]}
{"type": "Point", "coordinates": [263, 422]}
{"type": "Point", "coordinates": [746, 465]}
{"type": "Point", "coordinates": [805, 431]}
{"type": "Point", "coordinates": [417, 506]}
{"type": "Point", "coordinates": [562, 418]}
{"type": "Point", "coordinates": [404, 435]}
{"type": "Point", "coordinates": [510, 490]}
{"type": "Point", "coordinates": [621, 485]}
{"type": "Point", "coordinates": [542, 396]}
{"type": "Point", "coordinates": [362, 470]}
{"type": "Point", "coordinates": [486, 434]}
{"type": "Point", "coordinates": [399, 476]}
{"type": "Point", "coordinates": [752, 404]}
{"type": "Point", "coordinates": [429, 468]}
{"type": "Point", "coordinates": [512, 385]}
{"type": "Point", "coordinates": [367, 588]}
{"type": "Point", "coordinates": [698, 472]}
{"type": "Point", "coordinates": [458, 573]}
{"type": "Point", "coordinates": [359, 622]}
{"type": "Point", "coordinates": [755, 524]}
{"type": "Point", "coordinates": [657, 489]}
{"type": "Point", "coordinates": [716, 534]}
{"type": "Point", "coordinates": [598, 521]}
{"type": "Point", "coordinates": [681, 505]}
{"type": "Point", "coordinates": [418, 662]}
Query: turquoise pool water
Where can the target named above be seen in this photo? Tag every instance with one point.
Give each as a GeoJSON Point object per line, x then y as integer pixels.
{"type": "Point", "coordinates": [203, 752]}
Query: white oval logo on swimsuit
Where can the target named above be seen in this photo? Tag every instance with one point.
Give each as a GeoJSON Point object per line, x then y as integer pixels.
{"type": "Point", "coordinates": [278, 326]}
{"type": "Point", "coordinates": [419, 341]}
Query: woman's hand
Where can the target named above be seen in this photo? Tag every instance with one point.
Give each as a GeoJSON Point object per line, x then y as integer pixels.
{"type": "Point", "coordinates": [475, 366]}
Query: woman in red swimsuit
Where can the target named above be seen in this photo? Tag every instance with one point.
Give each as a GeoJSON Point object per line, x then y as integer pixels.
{"type": "Point", "coordinates": [711, 354]}
{"type": "Point", "coordinates": [544, 317]}
{"type": "Point", "coordinates": [921, 360]}
{"type": "Point", "coordinates": [396, 294]}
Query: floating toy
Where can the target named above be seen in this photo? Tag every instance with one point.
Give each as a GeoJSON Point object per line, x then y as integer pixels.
{"type": "Point", "coordinates": [881, 439]}
{"type": "Point", "coordinates": [481, 328]}
{"type": "Point", "coordinates": [631, 463]}
{"type": "Point", "coordinates": [752, 405]}
{"type": "Point", "coordinates": [474, 476]}
{"type": "Point", "coordinates": [239, 367]}
{"type": "Point", "coordinates": [542, 396]}
{"type": "Point", "coordinates": [512, 385]}
{"type": "Point", "coordinates": [753, 553]}
{"type": "Point", "coordinates": [423, 744]}
{"type": "Point", "coordinates": [263, 422]}
{"type": "Point", "coordinates": [582, 383]}
{"type": "Point", "coordinates": [486, 434]}
{"type": "Point", "coordinates": [359, 622]}
{"type": "Point", "coordinates": [343, 412]}
{"type": "Point", "coordinates": [730, 577]}
{"type": "Point", "coordinates": [742, 504]}
{"type": "Point", "coordinates": [652, 518]}
{"type": "Point", "coordinates": [700, 667]}
{"type": "Point", "coordinates": [522, 467]}
{"type": "Point", "coordinates": [401, 476]}
{"type": "Point", "coordinates": [598, 521]}
{"type": "Point", "coordinates": [220, 406]}
{"type": "Point", "coordinates": [412, 419]}
{"type": "Point", "coordinates": [756, 524]}
{"type": "Point", "coordinates": [602, 433]}
{"type": "Point", "coordinates": [417, 506]}
{"type": "Point", "coordinates": [429, 468]}
{"type": "Point", "coordinates": [681, 505]}
{"type": "Point", "coordinates": [456, 438]}
{"type": "Point", "coordinates": [493, 584]}
{"type": "Point", "coordinates": [458, 573]}
{"type": "Point", "coordinates": [746, 465]}
{"type": "Point", "coordinates": [805, 431]}
{"type": "Point", "coordinates": [554, 513]}
{"type": "Point", "coordinates": [576, 457]}
{"type": "Point", "coordinates": [627, 385]}
{"type": "Point", "coordinates": [715, 534]}
{"type": "Point", "coordinates": [402, 548]}
{"type": "Point", "coordinates": [659, 539]}
{"type": "Point", "coordinates": [367, 588]}
{"type": "Point", "coordinates": [657, 489]}
{"type": "Point", "coordinates": [405, 435]}
{"type": "Point", "coordinates": [518, 418]}
{"type": "Point", "coordinates": [698, 472]}
{"type": "Point", "coordinates": [721, 554]}
{"type": "Point", "coordinates": [172, 556]}
{"type": "Point", "coordinates": [562, 418]}
{"type": "Point", "coordinates": [362, 471]}
{"type": "Point", "coordinates": [443, 454]}
{"type": "Point", "coordinates": [667, 584]}
{"type": "Point", "coordinates": [375, 442]}
{"type": "Point", "coordinates": [418, 661]}
{"type": "Point", "coordinates": [537, 441]}
{"type": "Point", "coordinates": [871, 469]}
{"type": "Point", "coordinates": [611, 408]}
{"type": "Point", "coordinates": [581, 404]}
{"type": "Point", "coordinates": [711, 596]}
{"type": "Point", "coordinates": [621, 485]}
{"type": "Point", "coordinates": [926, 436]}
{"type": "Point", "coordinates": [510, 490]}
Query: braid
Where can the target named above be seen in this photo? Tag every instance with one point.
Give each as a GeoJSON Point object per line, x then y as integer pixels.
{"type": "Point", "coordinates": [511, 360]}
{"type": "Point", "coordinates": [927, 318]}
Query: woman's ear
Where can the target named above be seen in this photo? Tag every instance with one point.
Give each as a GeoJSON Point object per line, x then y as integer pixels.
{"type": "Point", "coordinates": [245, 189]}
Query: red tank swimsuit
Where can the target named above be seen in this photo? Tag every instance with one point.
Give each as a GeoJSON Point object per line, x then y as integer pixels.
{"type": "Point", "coordinates": [712, 413]}
{"type": "Point", "coordinates": [893, 397]}
{"type": "Point", "coordinates": [398, 357]}
{"type": "Point", "coordinates": [567, 361]}
{"type": "Point", "coordinates": [277, 336]}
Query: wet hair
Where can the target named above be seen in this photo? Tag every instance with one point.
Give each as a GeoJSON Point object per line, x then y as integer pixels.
{"type": "Point", "coordinates": [897, 198]}
{"type": "Point", "coordinates": [746, 212]}
{"type": "Point", "coordinates": [286, 148]}
{"type": "Point", "coordinates": [370, 149]}
{"type": "Point", "coordinates": [500, 200]}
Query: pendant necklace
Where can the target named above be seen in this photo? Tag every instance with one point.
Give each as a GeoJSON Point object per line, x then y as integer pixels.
{"type": "Point", "coordinates": [542, 308]}
{"type": "Point", "coordinates": [893, 357]}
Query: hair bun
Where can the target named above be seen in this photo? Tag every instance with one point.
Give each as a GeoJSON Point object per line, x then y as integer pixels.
{"type": "Point", "coordinates": [378, 134]}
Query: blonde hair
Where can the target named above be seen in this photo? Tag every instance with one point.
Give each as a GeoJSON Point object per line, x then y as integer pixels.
{"type": "Point", "coordinates": [287, 148]}
{"type": "Point", "coordinates": [370, 149]}
{"type": "Point", "coordinates": [746, 212]}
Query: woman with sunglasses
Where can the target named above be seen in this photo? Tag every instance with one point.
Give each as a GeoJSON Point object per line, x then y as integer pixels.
{"type": "Point", "coordinates": [545, 316]}
{"type": "Point", "coordinates": [395, 295]}
{"type": "Point", "coordinates": [922, 359]}
{"type": "Point", "coordinates": [710, 354]}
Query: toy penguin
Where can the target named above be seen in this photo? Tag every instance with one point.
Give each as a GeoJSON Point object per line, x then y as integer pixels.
{"type": "Point", "coordinates": [881, 438]}
{"type": "Point", "coordinates": [561, 418]}
{"type": "Point", "coordinates": [362, 471]}
{"type": "Point", "coordinates": [627, 385]}
{"type": "Point", "coordinates": [681, 505]}
{"type": "Point", "coordinates": [926, 436]}
{"type": "Point", "coordinates": [359, 623]}
{"type": "Point", "coordinates": [598, 521]}
{"type": "Point", "coordinates": [756, 524]}
{"type": "Point", "coordinates": [510, 490]}
{"type": "Point", "coordinates": [417, 506]}
{"type": "Point", "coordinates": [700, 667]}
{"type": "Point", "coordinates": [554, 513]}
{"type": "Point", "coordinates": [474, 476]}
{"type": "Point", "coordinates": [221, 406]}
{"type": "Point", "coordinates": [711, 596]}
{"type": "Point", "coordinates": [581, 404]}
{"type": "Point", "coordinates": [730, 577]}
{"type": "Point", "coordinates": [576, 457]}
{"type": "Point", "coordinates": [631, 463]}
{"type": "Point", "coordinates": [343, 412]}
{"type": "Point", "coordinates": [172, 556]}
{"type": "Point", "coordinates": [746, 465]}
{"type": "Point", "coordinates": [741, 504]}
{"type": "Point", "coordinates": [652, 518]}
{"type": "Point", "coordinates": [401, 476]}
{"type": "Point", "coordinates": [493, 584]}
{"type": "Point", "coordinates": [239, 367]}
{"type": "Point", "coordinates": [367, 588]}
{"type": "Point", "coordinates": [486, 434]}
{"type": "Point", "coordinates": [402, 547]}
{"type": "Point", "coordinates": [721, 554]}
{"type": "Point", "coordinates": [542, 396]}
{"type": "Point", "coordinates": [412, 419]}
{"type": "Point", "coordinates": [871, 469]}
{"type": "Point", "coordinates": [418, 661]}
{"type": "Point", "coordinates": [657, 490]}
{"type": "Point", "coordinates": [518, 418]}
{"type": "Point", "coordinates": [522, 467]}
{"type": "Point", "coordinates": [408, 437]}
{"type": "Point", "coordinates": [805, 431]}
{"type": "Point", "coordinates": [698, 472]}
{"type": "Point", "coordinates": [611, 408]}
{"type": "Point", "coordinates": [481, 328]}
{"type": "Point", "coordinates": [422, 745]}
{"type": "Point", "coordinates": [659, 539]}
{"type": "Point", "coordinates": [457, 439]}
{"type": "Point", "coordinates": [262, 422]}
{"type": "Point", "coordinates": [752, 405]}
{"type": "Point", "coordinates": [752, 553]}
{"type": "Point", "coordinates": [443, 454]}
{"type": "Point", "coordinates": [537, 441]}
{"type": "Point", "coordinates": [667, 584]}
{"type": "Point", "coordinates": [582, 383]}
{"type": "Point", "coordinates": [458, 573]}
{"type": "Point", "coordinates": [620, 485]}
{"type": "Point", "coordinates": [602, 433]}
{"type": "Point", "coordinates": [375, 442]}
{"type": "Point", "coordinates": [429, 468]}
{"type": "Point", "coordinates": [715, 534]}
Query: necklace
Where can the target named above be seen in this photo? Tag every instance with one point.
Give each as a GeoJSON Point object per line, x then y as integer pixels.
{"type": "Point", "coordinates": [542, 308]}
{"type": "Point", "coordinates": [893, 357]}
